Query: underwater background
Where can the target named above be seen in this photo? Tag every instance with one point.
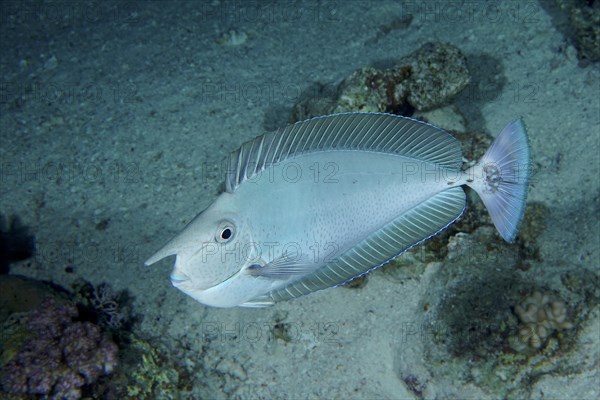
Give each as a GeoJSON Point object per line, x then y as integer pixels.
{"type": "Point", "coordinates": [114, 121]}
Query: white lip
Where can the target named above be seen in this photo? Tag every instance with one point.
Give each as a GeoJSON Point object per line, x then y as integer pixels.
{"type": "Point", "coordinates": [178, 279]}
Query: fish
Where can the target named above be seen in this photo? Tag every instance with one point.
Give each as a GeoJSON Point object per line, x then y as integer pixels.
{"type": "Point", "coordinates": [321, 202]}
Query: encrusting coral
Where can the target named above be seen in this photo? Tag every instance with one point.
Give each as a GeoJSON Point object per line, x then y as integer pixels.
{"type": "Point", "coordinates": [540, 317]}
{"type": "Point", "coordinates": [60, 355]}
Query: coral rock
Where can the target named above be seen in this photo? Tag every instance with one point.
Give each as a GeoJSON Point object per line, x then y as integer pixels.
{"type": "Point", "coordinates": [540, 318]}
{"type": "Point", "coordinates": [60, 356]}
{"type": "Point", "coordinates": [428, 78]}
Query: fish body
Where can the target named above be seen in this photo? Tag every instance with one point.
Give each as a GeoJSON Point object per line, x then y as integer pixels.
{"type": "Point", "coordinates": [326, 200]}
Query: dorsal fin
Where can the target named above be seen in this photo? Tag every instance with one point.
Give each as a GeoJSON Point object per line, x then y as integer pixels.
{"type": "Point", "coordinates": [385, 133]}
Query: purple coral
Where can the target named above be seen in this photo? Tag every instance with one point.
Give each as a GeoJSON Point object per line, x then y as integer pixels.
{"type": "Point", "coordinates": [62, 355]}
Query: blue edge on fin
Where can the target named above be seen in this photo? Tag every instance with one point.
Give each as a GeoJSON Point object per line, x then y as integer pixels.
{"type": "Point", "coordinates": [506, 169]}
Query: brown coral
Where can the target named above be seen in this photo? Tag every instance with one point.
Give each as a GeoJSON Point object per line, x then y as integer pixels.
{"type": "Point", "coordinates": [540, 317]}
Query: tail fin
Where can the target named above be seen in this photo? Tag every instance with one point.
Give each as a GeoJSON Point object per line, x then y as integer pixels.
{"type": "Point", "coordinates": [501, 177]}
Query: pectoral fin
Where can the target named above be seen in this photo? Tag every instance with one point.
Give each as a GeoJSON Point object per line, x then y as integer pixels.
{"type": "Point", "coordinates": [282, 267]}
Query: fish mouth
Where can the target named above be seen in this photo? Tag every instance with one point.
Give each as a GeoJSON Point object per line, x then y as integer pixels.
{"type": "Point", "coordinates": [178, 278]}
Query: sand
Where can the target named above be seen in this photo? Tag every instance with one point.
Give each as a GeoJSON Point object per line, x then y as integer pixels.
{"type": "Point", "coordinates": [114, 118]}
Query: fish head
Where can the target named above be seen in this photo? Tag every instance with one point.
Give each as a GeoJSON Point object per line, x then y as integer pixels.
{"type": "Point", "coordinates": [213, 248]}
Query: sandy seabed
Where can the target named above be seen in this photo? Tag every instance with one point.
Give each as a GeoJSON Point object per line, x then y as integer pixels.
{"type": "Point", "coordinates": [114, 118]}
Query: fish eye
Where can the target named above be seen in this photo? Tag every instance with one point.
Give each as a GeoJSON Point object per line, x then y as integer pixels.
{"type": "Point", "coordinates": [225, 232]}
